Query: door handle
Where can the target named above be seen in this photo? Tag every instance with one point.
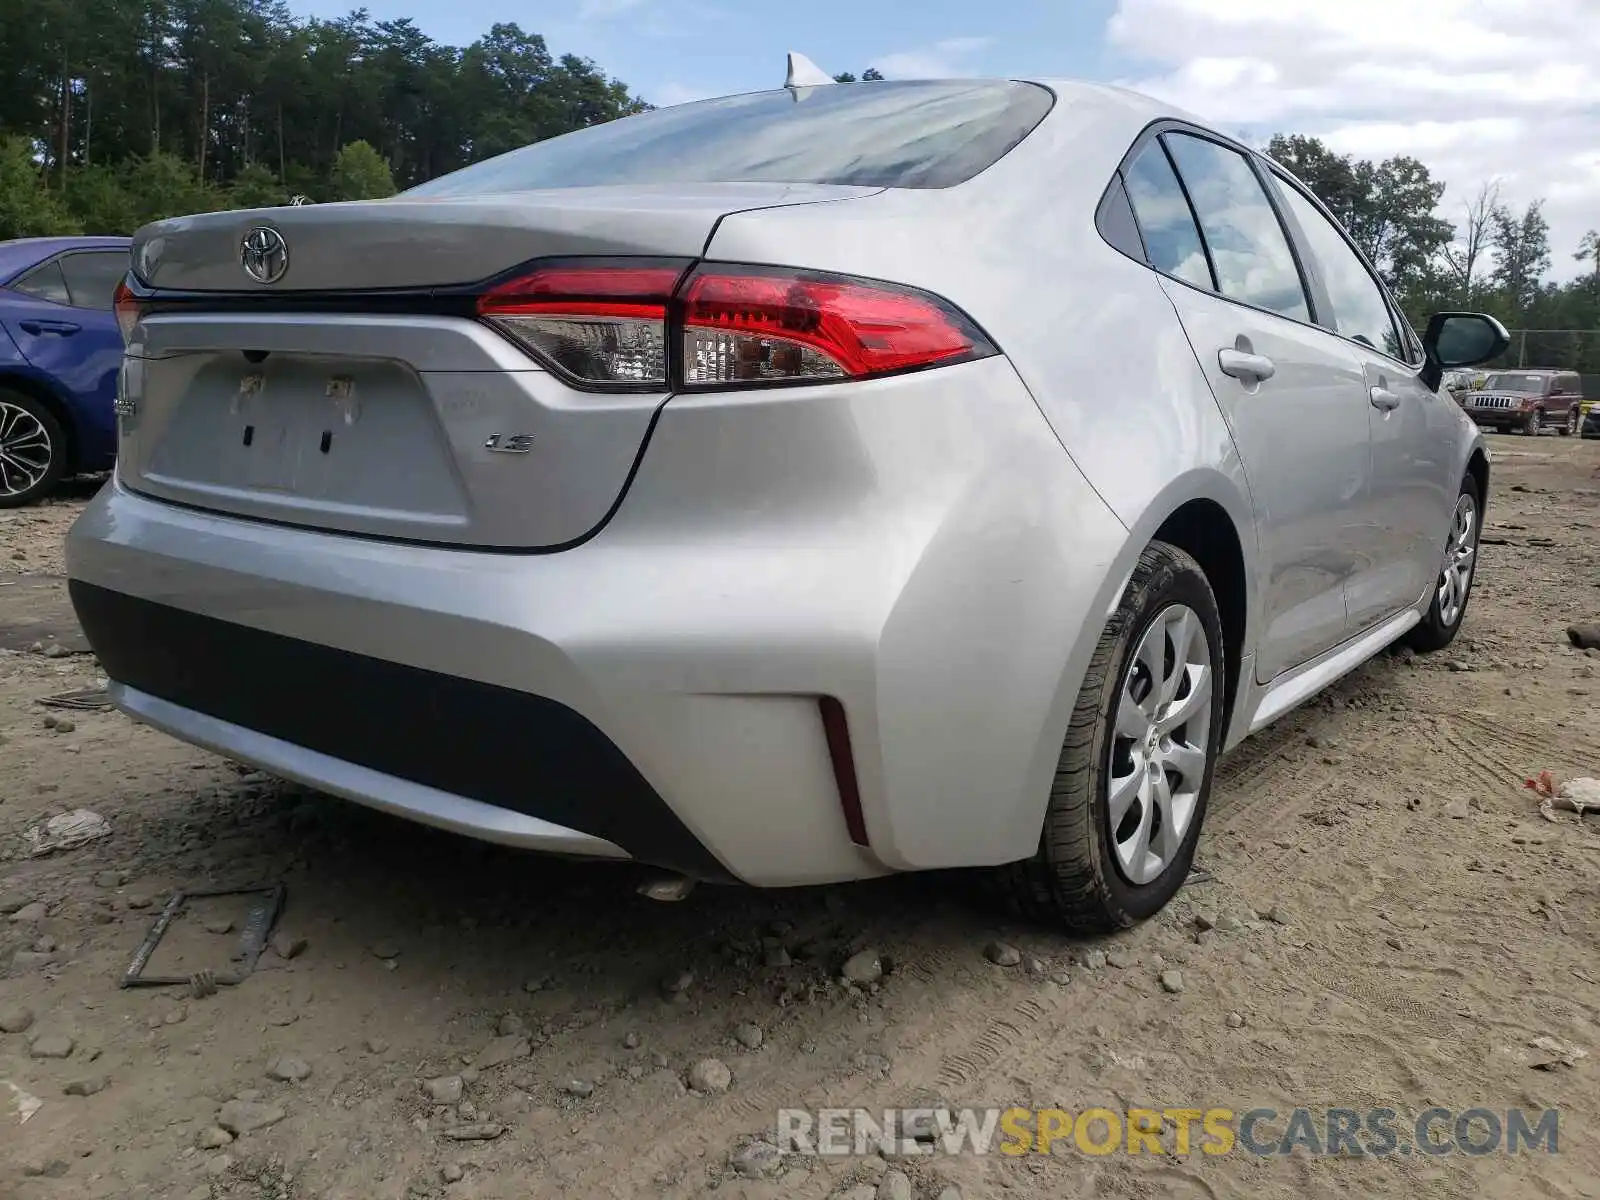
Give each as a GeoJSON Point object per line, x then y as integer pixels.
{"type": "Point", "coordinates": [64, 328]}
{"type": "Point", "coordinates": [1248, 367]}
{"type": "Point", "coordinates": [1385, 399]}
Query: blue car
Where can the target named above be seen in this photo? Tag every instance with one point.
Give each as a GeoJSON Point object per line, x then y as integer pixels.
{"type": "Point", "coordinates": [60, 350]}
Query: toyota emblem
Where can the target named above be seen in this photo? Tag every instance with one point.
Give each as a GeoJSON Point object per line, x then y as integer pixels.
{"type": "Point", "coordinates": [264, 254]}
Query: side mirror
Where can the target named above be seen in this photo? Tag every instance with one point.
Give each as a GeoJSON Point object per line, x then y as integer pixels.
{"type": "Point", "coordinates": [1460, 340]}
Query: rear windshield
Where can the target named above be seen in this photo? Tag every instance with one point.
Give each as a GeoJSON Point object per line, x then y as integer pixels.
{"type": "Point", "coordinates": [902, 135]}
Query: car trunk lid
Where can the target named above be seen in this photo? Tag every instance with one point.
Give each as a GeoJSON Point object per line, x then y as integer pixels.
{"type": "Point", "coordinates": [358, 393]}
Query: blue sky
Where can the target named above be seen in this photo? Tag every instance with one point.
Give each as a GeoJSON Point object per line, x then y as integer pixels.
{"type": "Point", "coordinates": [686, 49]}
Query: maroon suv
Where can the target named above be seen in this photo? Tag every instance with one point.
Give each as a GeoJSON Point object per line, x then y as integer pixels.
{"type": "Point", "coordinates": [1528, 400]}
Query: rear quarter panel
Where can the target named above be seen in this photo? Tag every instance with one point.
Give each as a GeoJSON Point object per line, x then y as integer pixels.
{"type": "Point", "coordinates": [1090, 332]}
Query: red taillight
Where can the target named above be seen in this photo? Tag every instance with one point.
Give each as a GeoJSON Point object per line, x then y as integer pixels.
{"type": "Point", "coordinates": [619, 323]}
{"type": "Point", "coordinates": [601, 324]}
{"type": "Point", "coordinates": [127, 307]}
{"type": "Point", "coordinates": [746, 325]}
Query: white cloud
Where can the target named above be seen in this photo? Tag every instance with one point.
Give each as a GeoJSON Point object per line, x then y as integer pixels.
{"type": "Point", "coordinates": [1476, 89]}
{"type": "Point", "coordinates": [941, 60]}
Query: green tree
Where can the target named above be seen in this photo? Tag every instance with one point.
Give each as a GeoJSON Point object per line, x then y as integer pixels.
{"type": "Point", "coordinates": [870, 75]}
{"type": "Point", "coordinates": [226, 85]}
{"type": "Point", "coordinates": [1522, 254]}
{"type": "Point", "coordinates": [1589, 251]}
{"type": "Point", "coordinates": [359, 173]}
{"type": "Point", "coordinates": [164, 185]}
{"type": "Point", "coordinates": [1331, 177]}
{"type": "Point", "coordinates": [99, 198]}
{"type": "Point", "coordinates": [27, 208]}
{"type": "Point", "coordinates": [256, 187]}
{"type": "Point", "coordinates": [1388, 207]}
{"type": "Point", "coordinates": [1465, 256]}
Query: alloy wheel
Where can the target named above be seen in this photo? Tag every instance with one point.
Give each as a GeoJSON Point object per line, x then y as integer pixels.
{"type": "Point", "coordinates": [25, 450]}
{"type": "Point", "coordinates": [1572, 421]}
{"type": "Point", "coordinates": [1460, 559]}
{"type": "Point", "coordinates": [1161, 743]}
{"type": "Point", "coordinates": [1535, 423]}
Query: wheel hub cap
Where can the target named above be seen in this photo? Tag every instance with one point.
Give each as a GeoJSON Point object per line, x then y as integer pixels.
{"type": "Point", "coordinates": [24, 450]}
{"type": "Point", "coordinates": [1460, 560]}
{"type": "Point", "coordinates": [1161, 744]}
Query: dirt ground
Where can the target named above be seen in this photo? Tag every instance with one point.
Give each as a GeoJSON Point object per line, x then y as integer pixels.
{"type": "Point", "coordinates": [1425, 924]}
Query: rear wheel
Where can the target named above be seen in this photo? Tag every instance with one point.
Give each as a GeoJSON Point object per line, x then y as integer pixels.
{"type": "Point", "coordinates": [1134, 775]}
{"type": "Point", "coordinates": [1448, 607]}
{"type": "Point", "coordinates": [32, 450]}
{"type": "Point", "coordinates": [1571, 427]}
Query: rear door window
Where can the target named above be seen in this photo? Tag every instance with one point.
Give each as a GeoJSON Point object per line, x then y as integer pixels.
{"type": "Point", "coordinates": [1249, 251]}
{"type": "Point", "coordinates": [92, 276]}
{"type": "Point", "coordinates": [45, 282]}
{"type": "Point", "coordinates": [1171, 238]}
{"type": "Point", "coordinates": [1360, 312]}
{"type": "Point", "coordinates": [882, 134]}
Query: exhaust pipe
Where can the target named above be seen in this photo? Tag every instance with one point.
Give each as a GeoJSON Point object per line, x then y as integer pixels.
{"type": "Point", "coordinates": [666, 888]}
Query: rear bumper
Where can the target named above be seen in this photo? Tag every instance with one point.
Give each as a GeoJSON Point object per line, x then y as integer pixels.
{"type": "Point", "coordinates": [476, 756]}
{"type": "Point", "coordinates": [920, 549]}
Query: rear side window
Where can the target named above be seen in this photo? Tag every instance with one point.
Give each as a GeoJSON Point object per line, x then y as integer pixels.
{"type": "Point", "coordinates": [46, 282]}
{"type": "Point", "coordinates": [1360, 312]}
{"type": "Point", "coordinates": [92, 277]}
{"type": "Point", "coordinates": [902, 135]}
{"type": "Point", "coordinates": [1248, 248]}
{"type": "Point", "coordinates": [1172, 242]}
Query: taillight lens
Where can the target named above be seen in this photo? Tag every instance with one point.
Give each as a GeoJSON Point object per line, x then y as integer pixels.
{"type": "Point", "coordinates": [127, 307]}
{"type": "Point", "coordinates": [600, 324]}
{"type": "Point", "coordinates": [745, 325]}
{"type": "Point", "coordinates": [618, 324]}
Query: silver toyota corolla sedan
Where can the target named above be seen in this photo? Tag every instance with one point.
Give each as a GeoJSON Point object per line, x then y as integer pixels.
{"type": "Point", "coordinates": [790, 487]}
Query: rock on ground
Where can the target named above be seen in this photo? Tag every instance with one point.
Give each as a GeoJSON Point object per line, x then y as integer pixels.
{"type": "Point", "coordinates": [246, 1116]}
{"type": "Point", "coordinates": [51, 1045]}
{"type": "Point", "coordinates": [757, 1160]}
{"type": "Point", "coordinates": [710, 1075]}
{"type": "Point", "coordinates": [213, 1137]}
{"type": "Point", "coordinates": [289, 1069]}
{"type": "Point", "coordinates": [1002, 955]}
{"type": "Point", "coordinates": [502, 1050]}
{"type": "Point", "coordinates": [863, 967]}
{"type": "Point", "coordinates": [15, 1018]}
{"type": "Point", "coordinates": [446, 1089]}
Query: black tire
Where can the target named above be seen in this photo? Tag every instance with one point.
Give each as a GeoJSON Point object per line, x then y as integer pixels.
{"type": "Point", "coordinates": [56, 449]}
{"type": "Point", "coordinates": [1074, 879]}
{"type": "Point", "coordinates": [1535, 424]}
{"type": "Point", "coordinates": [1432, 633]}
{"type": "Point", "coordinates": [1571, 427]}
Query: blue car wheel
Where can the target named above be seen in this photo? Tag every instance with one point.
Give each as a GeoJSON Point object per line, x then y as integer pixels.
{"type": "Point", "coordinates": [33, 450]}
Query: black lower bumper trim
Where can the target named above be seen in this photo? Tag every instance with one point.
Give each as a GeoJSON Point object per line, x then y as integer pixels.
{"type": "Point", "coordinates": [511, 749]}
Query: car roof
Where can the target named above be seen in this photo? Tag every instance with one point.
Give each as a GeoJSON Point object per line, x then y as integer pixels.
{"type": "Point", "coordinates": [18, 254]}
{"type": "Point", "coordinates": [1135, 102]}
